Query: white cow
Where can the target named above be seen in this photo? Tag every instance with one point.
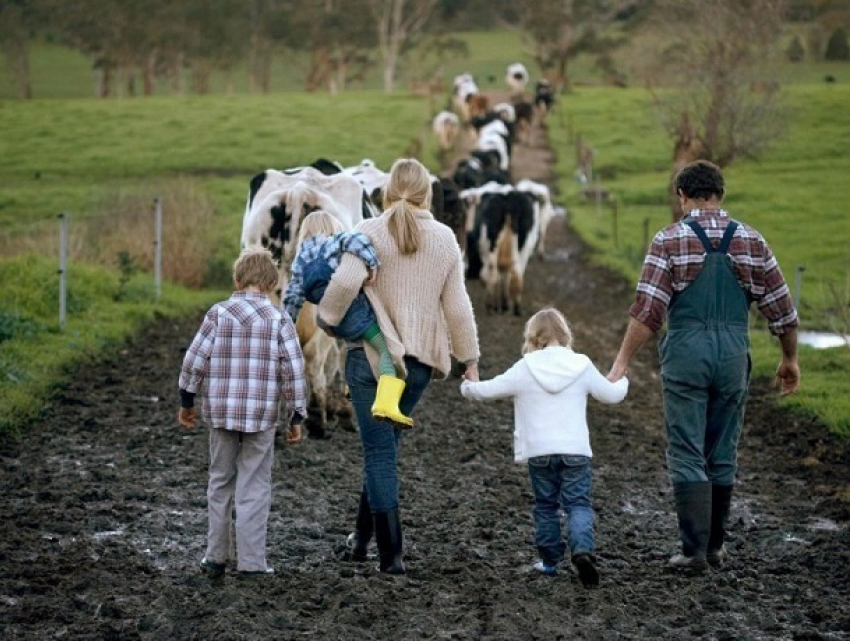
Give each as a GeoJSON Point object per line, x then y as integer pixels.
{"type": "Point", "coordinates": [517, 77]}
{"type": "Point", "coordinates": [277, 203]}
{"type": "Point", "coordinates": [464, 89]}
{"type": "Point", "coordinates": [446, 126]}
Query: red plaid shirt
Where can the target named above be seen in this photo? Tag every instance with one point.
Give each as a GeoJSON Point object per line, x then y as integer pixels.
{"type": "Point", "coordinates": [675, 259]}
{"type": "Point", "coordinates": [244, 357]}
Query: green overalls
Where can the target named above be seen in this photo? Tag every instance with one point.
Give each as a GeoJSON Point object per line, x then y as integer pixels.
{"type": "Point", "coordinates": [705, 369]}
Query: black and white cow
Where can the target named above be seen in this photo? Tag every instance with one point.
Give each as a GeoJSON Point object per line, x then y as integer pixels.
{"type": "Point", "coordinates": [277, 203]}
{"type": "Point", "coordinates": [506, 233]}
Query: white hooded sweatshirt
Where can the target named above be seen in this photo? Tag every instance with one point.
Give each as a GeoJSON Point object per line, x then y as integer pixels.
{"type": "Point", "coordinates": [550, 389]}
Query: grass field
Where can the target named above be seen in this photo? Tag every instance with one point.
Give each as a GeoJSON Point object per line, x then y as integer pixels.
{"type": "Point", "coordinates": [104, 162]}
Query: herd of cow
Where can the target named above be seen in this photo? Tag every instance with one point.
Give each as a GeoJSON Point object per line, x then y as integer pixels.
{"type": "Point", "coordinates": [499, 221]}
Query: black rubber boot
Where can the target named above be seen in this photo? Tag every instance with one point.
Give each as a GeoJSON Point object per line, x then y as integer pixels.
{"type": "Point", "coordinates": [721, 501]}
{"type": "Point", "coordinates": [358, 541]}
{"type": "Point", "coordinates": [693, 508]}
{"type": "Point", "coordinates": [389, 539]}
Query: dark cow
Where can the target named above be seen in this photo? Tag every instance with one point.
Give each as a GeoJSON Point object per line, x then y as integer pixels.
{"type": "Point", "coordinates": [544, 99]}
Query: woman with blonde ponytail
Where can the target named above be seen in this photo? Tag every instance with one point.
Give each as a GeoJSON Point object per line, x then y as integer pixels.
{"type": "Point", "coordinates": [425, 314]}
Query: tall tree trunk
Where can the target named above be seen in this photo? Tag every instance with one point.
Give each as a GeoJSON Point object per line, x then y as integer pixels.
{"type": "Point", "coordinates": [148, 71]}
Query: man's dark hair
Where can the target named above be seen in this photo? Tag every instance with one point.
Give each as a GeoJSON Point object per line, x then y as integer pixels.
{"type": "Point", "coordinates": [701, 180]}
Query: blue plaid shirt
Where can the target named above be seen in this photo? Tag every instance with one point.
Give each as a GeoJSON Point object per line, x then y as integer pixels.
{"type": "Point", "coordinates": [329, 249]}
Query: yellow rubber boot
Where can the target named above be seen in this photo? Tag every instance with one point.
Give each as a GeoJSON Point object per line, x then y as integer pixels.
{"type": "Point", "coordinates": [389, 393]}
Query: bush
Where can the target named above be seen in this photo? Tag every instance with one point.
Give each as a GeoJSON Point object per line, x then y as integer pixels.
{"type": "Point", "coordinates": [837, 48]}
{"type": "Point", "coordinates": [795, 51]}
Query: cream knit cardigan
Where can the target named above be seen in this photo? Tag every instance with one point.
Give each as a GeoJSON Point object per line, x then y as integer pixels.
{"type": "Point", "coordinates": [420, 300]}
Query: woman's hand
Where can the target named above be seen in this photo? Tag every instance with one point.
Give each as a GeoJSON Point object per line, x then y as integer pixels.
{"type": "Point", "coordinates": [371, 277]}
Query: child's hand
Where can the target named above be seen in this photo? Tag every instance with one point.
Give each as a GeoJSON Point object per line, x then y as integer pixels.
{"type": "Point", "coordinates": [186, 417]}
{"type": "Point", "coordinates": [371, 277]}
{"type": "Point", "coordinates": [293, 434]}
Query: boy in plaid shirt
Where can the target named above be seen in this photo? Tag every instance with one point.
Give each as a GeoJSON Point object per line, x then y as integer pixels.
{"type": "Point", "coordinates": [322, 241]}
{"type": "Point", "coordinates": [243, 359]}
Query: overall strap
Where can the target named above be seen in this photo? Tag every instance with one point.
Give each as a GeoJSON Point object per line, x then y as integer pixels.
{"type": "Point", "coordinates": [706, 243]}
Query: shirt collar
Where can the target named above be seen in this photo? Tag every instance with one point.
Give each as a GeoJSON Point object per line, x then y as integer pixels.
{"type": "Point", "coordinates": [242, 293]}
{"type": "Point", "coordinates": [708, 213]}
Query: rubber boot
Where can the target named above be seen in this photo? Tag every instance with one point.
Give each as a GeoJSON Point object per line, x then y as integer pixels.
{"type": "Point", "coordinates": [721, 500]}
{"type": "Point", "coordinates": [693, 508]}
{"type": "Point", "coordinates": [358, 541]}
{"type": "Point", "coordinates": [389, 394]}
{"type": "Point", "coordinates": [389, 539]}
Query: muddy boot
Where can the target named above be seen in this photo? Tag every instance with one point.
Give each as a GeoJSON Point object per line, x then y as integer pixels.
{"type": "Point", "coordinates": [358, 541]}
{"type": "Point", "coordinates": [585, 564]}
{"type": "Point", "coordinates": [389, 539]}
{"type": "Point", "coordinates": [387, 397]}
{"type": "Point", "coordinates": [721, 500]}
{"type": "Point", "coordinates": [693, 508]}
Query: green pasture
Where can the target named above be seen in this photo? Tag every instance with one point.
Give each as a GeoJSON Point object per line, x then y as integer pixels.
{"type": "Point", "coordinates": [68, 152]}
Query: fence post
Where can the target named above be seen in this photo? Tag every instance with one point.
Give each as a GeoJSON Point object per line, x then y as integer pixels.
{"type": "Point", "coordinates": [157, 247]}
{"type": "Point", "coordinates": [798, 286]}
{"type": "Point", "coordinates": [614, 221]}
{"type": "Point", "coordinates": [63, 270]}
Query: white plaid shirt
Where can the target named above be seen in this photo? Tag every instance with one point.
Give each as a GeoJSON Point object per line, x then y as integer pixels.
{"type": "Point", "coordinates": [244, 358]}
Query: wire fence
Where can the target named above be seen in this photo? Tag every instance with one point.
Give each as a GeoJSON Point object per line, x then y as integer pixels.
{"type": "Point", "coordinates": [90, 240]}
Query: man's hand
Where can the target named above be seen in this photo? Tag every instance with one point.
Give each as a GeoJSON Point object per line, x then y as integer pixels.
{"type": "Point", "coordinates": [787, 376]}
{"type": "Point", "coordinates": [617, 372]}
{"type": "Point", "coordinates": [293, 434]}
{"type": "Point", "coordinates": [186, 417]}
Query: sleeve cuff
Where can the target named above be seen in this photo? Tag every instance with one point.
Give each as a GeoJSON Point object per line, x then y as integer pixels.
{"type": "Point", "coordinates": [187, 399]}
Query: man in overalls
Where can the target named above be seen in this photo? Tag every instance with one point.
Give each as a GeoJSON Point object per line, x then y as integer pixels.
{"type": "Point", "coordinates": [701, 274]}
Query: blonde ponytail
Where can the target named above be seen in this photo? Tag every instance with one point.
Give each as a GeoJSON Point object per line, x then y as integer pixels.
{"type": "Point", "coordinates": [408, 189]}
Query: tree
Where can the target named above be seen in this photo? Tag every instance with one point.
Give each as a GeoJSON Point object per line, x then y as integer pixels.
{"type": "Point", "coordinates": [716, 73]}
{"type": "Point", "coordinates": [16, 16]}
{"type": "Point", "coordinates": [559, 30]}
{"type": "Point", "coordinates": [837, 47]}
{"type": "Point", "coordinates": [399, 24]}
{"type": "Point", "coordinates": [795, 51]}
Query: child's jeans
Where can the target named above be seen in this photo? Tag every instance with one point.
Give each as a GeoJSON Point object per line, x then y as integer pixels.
{"type": "Point", "coordinates": [561, 481]}
{"type": "Point", "coordinates": [360, 315]}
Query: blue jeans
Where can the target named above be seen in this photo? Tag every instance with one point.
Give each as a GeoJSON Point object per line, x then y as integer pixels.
{"type": "Point", "coordinates": [561, 481]}
{"type": "Point", "coordinates": [360, 315]}
{"type": "Point", "coordinates": [380, 440]}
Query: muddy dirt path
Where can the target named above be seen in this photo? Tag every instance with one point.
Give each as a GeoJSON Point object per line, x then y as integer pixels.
{"type": "Point", "coordinates": [104, 519]}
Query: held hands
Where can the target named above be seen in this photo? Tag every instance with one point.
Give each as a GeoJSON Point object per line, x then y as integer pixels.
{"type": "Point", "coordinates": [371, 277]}
{"type": "Point", "coordinates": [186, 417]}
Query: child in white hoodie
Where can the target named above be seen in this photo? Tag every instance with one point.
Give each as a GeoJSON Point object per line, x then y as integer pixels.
{"type": "Point", "coordinates": [550, 386]}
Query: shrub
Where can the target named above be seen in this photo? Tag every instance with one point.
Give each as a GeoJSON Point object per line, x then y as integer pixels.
{"type": "Point", "coordinates": [837, 48]}
{"type": "Point", "coordinates": [795, 50]}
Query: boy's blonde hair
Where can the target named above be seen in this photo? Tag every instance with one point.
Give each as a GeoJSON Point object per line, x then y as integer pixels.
{"type": "Point", "coordinates": [319, 223]}
{"type": "Point", "coordinates": [408, 188]}
{"type": "Point", "coordinates": [547, 327]}
{"type": "Point", "coordinates": [255, 267]}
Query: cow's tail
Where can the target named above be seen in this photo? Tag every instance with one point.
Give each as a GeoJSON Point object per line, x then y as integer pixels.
{"type": "Point", "coordinates": [504, 251]}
